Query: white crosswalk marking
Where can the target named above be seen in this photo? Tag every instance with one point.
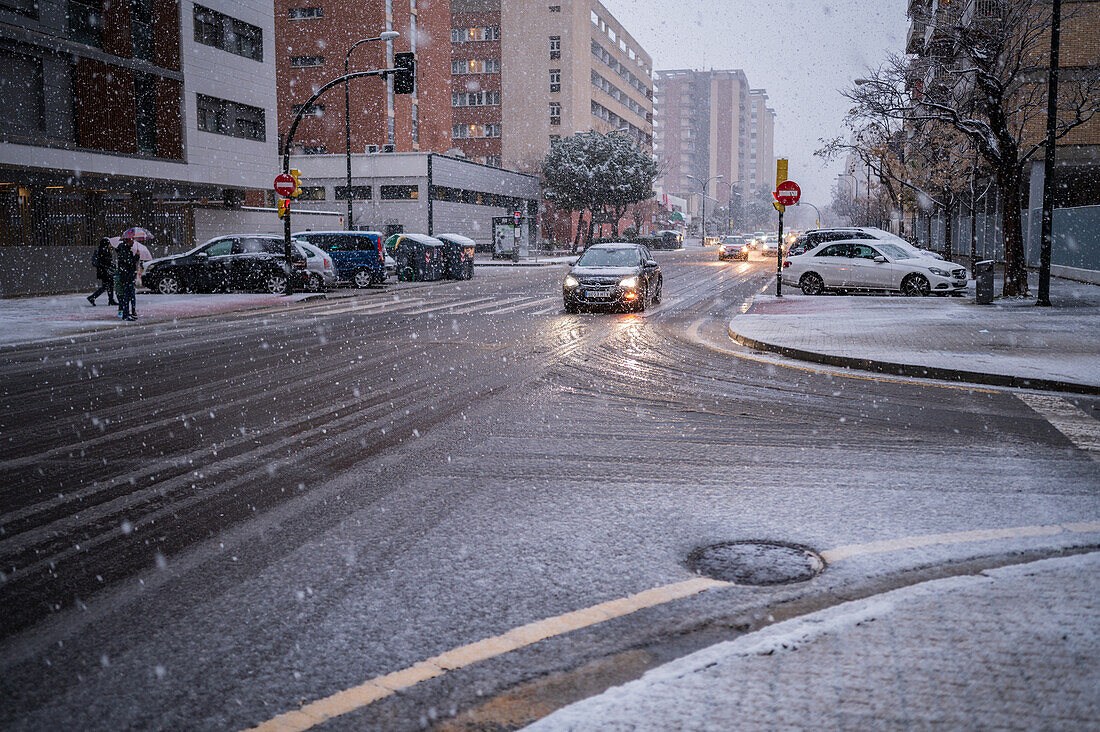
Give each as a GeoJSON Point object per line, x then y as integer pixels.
{"type": "Point", "coordinates": [1082, 430]}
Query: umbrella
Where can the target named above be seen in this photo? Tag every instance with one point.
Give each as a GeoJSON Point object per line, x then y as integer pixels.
{"type": "Point", "coordinates": [115, 241]}
{"type": "Point", "coordinates": [137, 234]}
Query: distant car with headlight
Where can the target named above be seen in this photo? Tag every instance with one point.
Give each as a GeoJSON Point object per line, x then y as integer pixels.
{"type": "Point", "coordinates": [616, 275]}
{"type": "Point", "coordinates": [733, 247]}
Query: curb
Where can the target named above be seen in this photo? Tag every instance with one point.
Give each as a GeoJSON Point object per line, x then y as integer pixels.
{"type": "Point", "coordinates": [913, 370]}
{"type": "Point", "coordinates": [516, 264]}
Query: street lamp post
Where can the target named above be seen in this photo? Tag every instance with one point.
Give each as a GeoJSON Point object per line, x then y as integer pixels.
{"type": "Point", "coordinates": [729, 203]}
{"type": "Point", "coordinates": [384, 36]}
{"type": "Point", "coordinates": [1047, 225]}
{"type": "Point", "coordinates": [703, 187]}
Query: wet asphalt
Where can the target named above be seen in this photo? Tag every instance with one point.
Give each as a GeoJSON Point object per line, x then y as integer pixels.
{"type": "Point", "coordinates": [207, 523]}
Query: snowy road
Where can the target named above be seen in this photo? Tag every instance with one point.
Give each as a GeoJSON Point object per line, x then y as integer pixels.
{"type": "Point", "coordinates": [208, 523]}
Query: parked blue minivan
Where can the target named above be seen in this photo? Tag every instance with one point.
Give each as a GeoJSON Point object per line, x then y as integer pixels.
{"type": "Point", "coordinates": [357, 255]}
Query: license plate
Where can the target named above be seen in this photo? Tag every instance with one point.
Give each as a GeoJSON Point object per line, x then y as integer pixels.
{"type": "Point", "coordinates": [597, 293]}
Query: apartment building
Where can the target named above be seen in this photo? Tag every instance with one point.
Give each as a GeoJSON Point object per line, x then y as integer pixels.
{"type": "Point", "coordinates": [124, 114]}
{"type": "Point", "coordinates": [702, 129]}
{"type": "Point", "coordinates": [568, 67]}
{"type": "Point", "coordinates": [711, 123]}
{"type": "Point", "coordinates": [314, 38]}
{"type": "Point", "coordinates": [761, 140]}
{"type": "Point", "coordinates": [476, 89]}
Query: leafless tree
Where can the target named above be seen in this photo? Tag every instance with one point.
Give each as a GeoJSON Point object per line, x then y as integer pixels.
{"type": "Point", "coordinates": [990, 87]}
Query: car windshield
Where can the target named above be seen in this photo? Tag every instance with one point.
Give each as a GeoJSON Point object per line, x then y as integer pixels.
{"type": "Point", "coordinates": [601, 257]}
{"type": "Point", "coordinates": [893, 251]}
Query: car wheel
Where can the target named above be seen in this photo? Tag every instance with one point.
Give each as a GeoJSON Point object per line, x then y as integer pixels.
{"type": "Point", "coordinates": [169, 285]}
{"type": "Point", "coordinates": [362, 278]}
{"type": "Point", "coordinates": [275, 283]}
{"type": "Point", "coordinates": [571, 308]}
{"type": "Point", "coordinates": [657, 292]}
{"type": "Point", "coordinates": [812, 284]}
{"type": "Point", "coordinates": [916, 285]}
{"type": "Point", "coordinates": [639, 307]}
{"type": "Point", "coordinates": [316, 283]}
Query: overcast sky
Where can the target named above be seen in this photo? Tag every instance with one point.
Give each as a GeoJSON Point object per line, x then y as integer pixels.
{"type": "Point", "coordinates": [801, 52]}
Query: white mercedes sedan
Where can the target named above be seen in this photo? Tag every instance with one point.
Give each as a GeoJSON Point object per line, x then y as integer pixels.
{"type": "Point", "coordinates": [861, 264]}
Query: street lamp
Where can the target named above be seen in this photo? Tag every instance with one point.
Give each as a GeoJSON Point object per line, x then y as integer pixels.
{"type": "Point", "coordinates": [384, 36]}
{"type": "Point", "coordinates": [703, 186]}
{"type": "Point", "coordinates": [729, 203]}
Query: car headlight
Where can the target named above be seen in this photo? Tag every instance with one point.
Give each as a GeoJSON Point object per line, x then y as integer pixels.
{"type": "Point", "coordinates": [570, 281]}
{"type": "Point", "coordinates": [629, 282]}
{"type": "Point", "coordinates": [938, 271]}
{"type": "Point", "coordinates": [721, 249]}
{"type": "Point", "coordinates": [745, 248]}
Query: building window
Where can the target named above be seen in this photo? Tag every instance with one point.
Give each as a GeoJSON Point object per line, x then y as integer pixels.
{"type": "Point", "coordinates": [312, 193]}
{"type": "Point", "coordinates": [555, 80]}
{"type": "Point", "coordinates": [555, 113]}
{"type": "Point", "coordinates": [471, 131]}
{"type": "Point", "coordinates": [145, 112]}
{"type": "Point", "coordinates": [299, 62]}
{"type": "Point", "coordinates": [311, 110]}
{"type": "Point", "coordinates": [26, 7]}
{"type": "Point", "coordinates": [476, 66]}
{"type": "Point", "coordinates": [358, 193]}
{"type": "Point", "coordinates": [595, 19]}
{"type": "Point", "coordinates": [223, 117]}
{"type": "Point", "coordinates": [400, 193]}
{"type": "Point", "coordinates": [228, 34]}
{"type": "Point", "coordinates": [21, 87]}
{"type": "Point", "coordinates": [86, 22]}
{"type": "Point", "coordinates": [555, 47]}
{"type": "Point", "coordinates": [141, 29]}
{"type": "Point", "coordinates": [305, 13]}
{"type": "Point", "coordinates": [314, 150]}
{"type": "Point", "coordinates": [480, 33]}
{"type": "Point", "coordinates": [555, 8]}
{"type": "Point", "coordinates": [475, 99]}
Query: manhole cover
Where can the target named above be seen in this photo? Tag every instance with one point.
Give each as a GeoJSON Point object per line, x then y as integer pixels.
{"type": "Point", "coordinates": [756, 562]}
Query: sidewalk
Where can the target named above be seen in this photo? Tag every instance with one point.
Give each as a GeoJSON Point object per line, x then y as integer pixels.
{"type": "Point", "coordinates": [27, 319]}
{"type": "Point", "coordinates": [540, 261]}
{"type": "Point", "coordinates": [1008, 343]}
{"type": "Point", "coordinates": [1012, 648]}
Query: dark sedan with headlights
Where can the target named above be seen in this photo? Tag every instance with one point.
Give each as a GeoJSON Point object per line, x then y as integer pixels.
{"type": "Point", "coordinates": [733, 247]}
{"type": "Point", "coordinates": [613, 275]}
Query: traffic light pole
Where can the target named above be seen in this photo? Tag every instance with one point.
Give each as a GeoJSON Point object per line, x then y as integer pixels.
{"type": "Point", "coordinates": [287, 248]}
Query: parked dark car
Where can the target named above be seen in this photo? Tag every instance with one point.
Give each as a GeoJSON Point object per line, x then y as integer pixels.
{"type": "Point", "coordinates": [670, 239]}
{"type": "Point", "coordinates": [234, 262]}
{"type": "Point", "coordinates": [357, 255]}
{"type": "Point", "coordinates": [617, 275]}
{"type": "Point", "coordinates": [458, 256]}
{"type": "Point", "coordinates": [419, 257]}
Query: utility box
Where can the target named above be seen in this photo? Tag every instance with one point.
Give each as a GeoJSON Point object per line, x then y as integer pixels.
{"type": "Point", "coordinates": [983, 282]}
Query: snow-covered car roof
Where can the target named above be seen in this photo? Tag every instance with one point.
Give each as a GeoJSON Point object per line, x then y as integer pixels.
{"type": "Point", "coordinates": [613, 245]}
{"type": "Point", "coordinates": [355, 233]}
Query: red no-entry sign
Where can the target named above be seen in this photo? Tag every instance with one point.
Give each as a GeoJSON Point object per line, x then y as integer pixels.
{"type": "Point", "coordinates": [284, 184]}
{"type": "Point", "coordinates": [787, 193]}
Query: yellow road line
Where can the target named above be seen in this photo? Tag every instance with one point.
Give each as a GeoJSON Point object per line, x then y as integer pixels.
{"type": "Point", "coordinates": [380, 687]}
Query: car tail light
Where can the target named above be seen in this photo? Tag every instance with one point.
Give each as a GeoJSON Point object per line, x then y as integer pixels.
{"type": "Point", "coordinates": [299, 264]}
{"type": "Point", "coordinates": [381, 254]}
{"type": "Point", "coordinates": [786, 263]}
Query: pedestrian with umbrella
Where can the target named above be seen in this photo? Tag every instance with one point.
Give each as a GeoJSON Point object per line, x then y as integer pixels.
{"type": "Point", "coordinates": [104, 271]}
{"type": "Point", "coordinates": [138, 236]}
{"type": "Point", "coordinates": [128, 263]}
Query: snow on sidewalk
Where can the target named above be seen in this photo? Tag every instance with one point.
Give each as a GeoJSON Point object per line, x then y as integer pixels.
{"type": "Point", "coordinates": [27, 319]}
{"type": "Point", "coordinates": [1009, 648]}
{"type": "Point", "coordinates": [1008, 338]}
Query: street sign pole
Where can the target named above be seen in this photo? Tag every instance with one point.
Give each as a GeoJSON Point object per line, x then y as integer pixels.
{"type": "Point", "coordinates": [780, 177]}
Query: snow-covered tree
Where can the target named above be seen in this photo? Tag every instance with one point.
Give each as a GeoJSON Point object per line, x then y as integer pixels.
{"type": "Point", "coordinates": [598, 173]}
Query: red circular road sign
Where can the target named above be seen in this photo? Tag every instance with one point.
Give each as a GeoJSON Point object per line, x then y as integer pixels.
{"type": "Point", "coordinates": [787, 193]}
{"type": "Point", "coordinates": [284, 184]}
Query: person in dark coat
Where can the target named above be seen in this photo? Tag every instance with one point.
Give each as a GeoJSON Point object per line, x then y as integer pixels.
{"type": "Point", "coordinates": [128, 260]}
{"type": "Point", "coordinates": [104, 271]}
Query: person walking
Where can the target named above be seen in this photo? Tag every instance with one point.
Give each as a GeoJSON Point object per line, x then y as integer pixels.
{"type": "Point", "coordinates": [143, 256]}
{"type": "Point", "coordinates": [104, 271]}
{"type": "Point", "coordinates": [128, 260]}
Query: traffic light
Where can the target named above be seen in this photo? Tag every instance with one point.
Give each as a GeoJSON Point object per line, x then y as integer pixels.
{"type": "Point", "coordinates": [404, 75]}
{"type": "Point", "coordinates": [297, 176]}
{"type": "Point", "coordinates": [284, 206]}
